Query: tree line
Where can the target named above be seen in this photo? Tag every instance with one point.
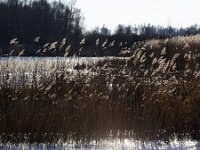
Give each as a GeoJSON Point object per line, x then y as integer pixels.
{"type": "Point", "coordinates": [27, 19]}
{"type": "Point", "coordinates": [34, 23]}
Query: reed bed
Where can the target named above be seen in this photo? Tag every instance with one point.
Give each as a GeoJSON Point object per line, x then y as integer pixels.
{"type": "Point", "coordinates": [153, 95]}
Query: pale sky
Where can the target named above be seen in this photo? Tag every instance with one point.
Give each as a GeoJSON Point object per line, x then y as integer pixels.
{"type": "Point", "coordinates": [178, 13]}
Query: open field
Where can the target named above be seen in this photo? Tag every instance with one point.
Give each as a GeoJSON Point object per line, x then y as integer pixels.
{"type": "Point", "coordinates": [153, 95]}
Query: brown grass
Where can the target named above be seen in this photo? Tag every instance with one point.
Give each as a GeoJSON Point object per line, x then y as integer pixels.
{"type": "Point", "coordinates": [116, 98]}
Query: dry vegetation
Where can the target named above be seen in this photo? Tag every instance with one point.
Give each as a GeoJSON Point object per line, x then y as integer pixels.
{"type": "Point", "coordinates": [152, 95]}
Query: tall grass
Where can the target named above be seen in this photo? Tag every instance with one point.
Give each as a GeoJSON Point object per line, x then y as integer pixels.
{"type": "Point", "coordinates": [153, 95]}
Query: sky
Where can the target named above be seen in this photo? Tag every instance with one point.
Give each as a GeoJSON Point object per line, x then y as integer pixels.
{"type": "Point", "coordinates": [177, 13]}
